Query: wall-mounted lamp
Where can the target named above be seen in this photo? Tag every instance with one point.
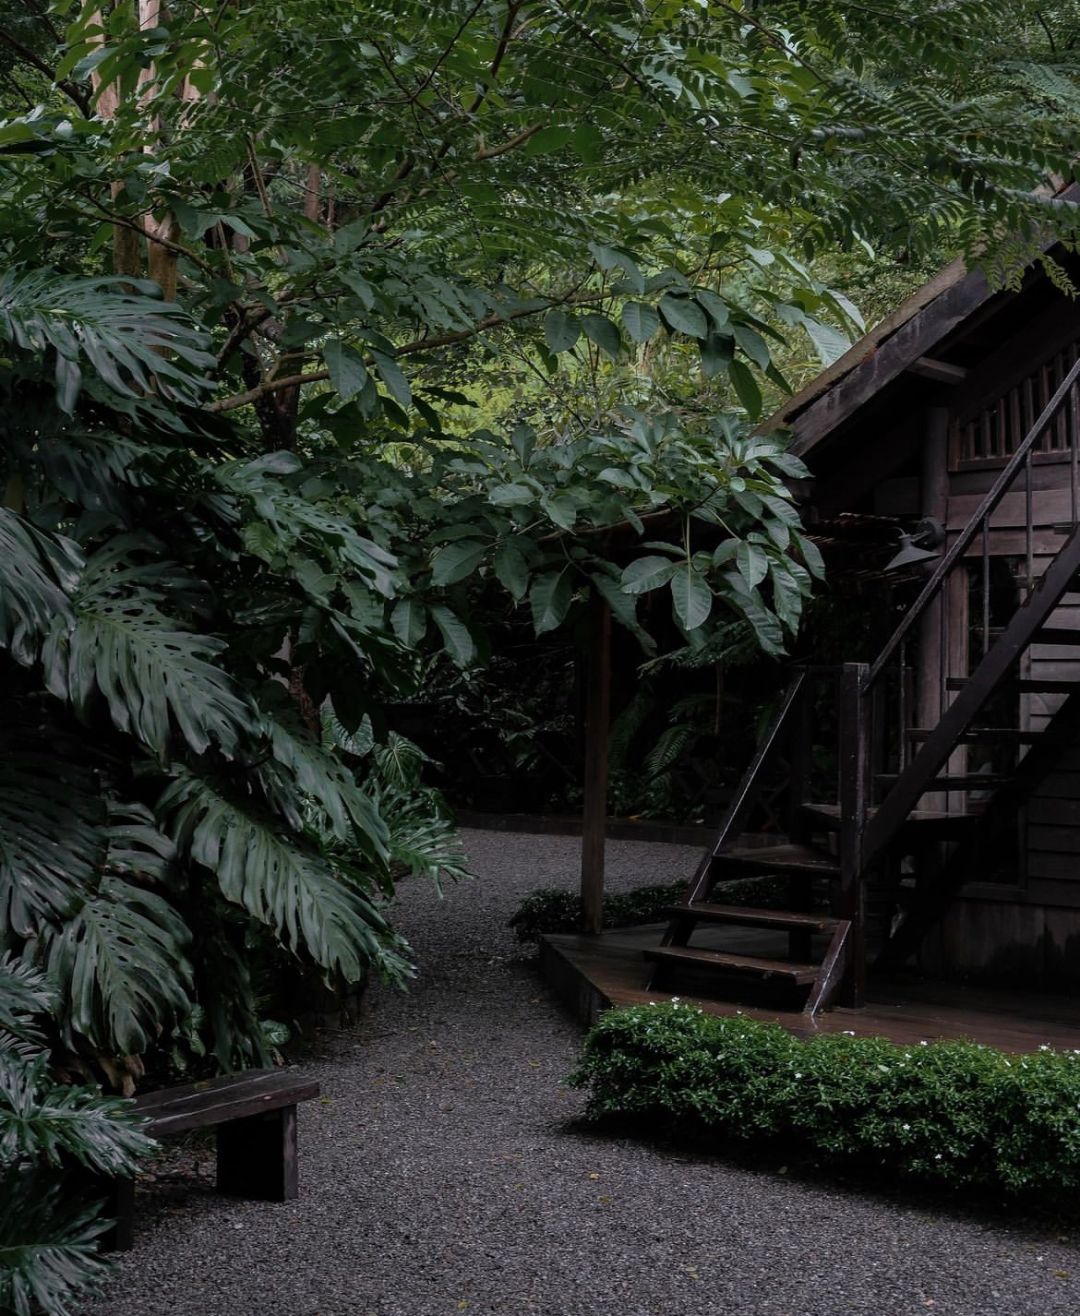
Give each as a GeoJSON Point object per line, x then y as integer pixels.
{"type": "Point", "coordinates": [918, 545]}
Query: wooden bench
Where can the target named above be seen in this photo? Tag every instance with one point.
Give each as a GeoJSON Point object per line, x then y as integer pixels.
{"type": "Point", "coordinates": [254, 1114]}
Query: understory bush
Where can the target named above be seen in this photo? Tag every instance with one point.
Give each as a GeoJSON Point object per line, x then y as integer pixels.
{"type": "Point", "coordinates": [954, 1113]}
{"type": "Point", "coordinates": [555, 909]}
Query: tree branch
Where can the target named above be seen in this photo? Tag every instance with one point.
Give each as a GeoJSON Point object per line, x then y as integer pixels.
{"type": "Point", "coordinates": [408, 349]}
{"type": "Point", "coordinates": [70, 89]}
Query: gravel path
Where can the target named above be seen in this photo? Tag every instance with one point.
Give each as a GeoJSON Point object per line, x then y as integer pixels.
{"type": "Point", "coordinates": [439, 1174]}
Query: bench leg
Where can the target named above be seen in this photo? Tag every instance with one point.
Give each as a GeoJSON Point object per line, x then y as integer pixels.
{"type": "Point", "coordinates": [256, 1156]}
{"type": "Point", "coordinates": [119, 1195]}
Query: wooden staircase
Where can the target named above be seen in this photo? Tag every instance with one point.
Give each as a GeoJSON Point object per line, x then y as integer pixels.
{"type": "Point", "coordinates": [903, 789]}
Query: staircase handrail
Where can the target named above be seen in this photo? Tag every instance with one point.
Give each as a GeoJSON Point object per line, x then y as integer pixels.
{"type": "Point", "coordinates": [749, 787]}
{"type": "Point", "coordinates": [985, 509]}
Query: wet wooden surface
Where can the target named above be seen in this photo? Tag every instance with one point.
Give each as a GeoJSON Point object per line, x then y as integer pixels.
{"type": "Point", "coordinates": [593, 973]}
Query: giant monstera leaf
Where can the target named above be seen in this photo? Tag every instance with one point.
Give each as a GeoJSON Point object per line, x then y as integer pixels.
{"type": "Point", "coordinates": [284, 884]}
{"type": "Point", "coordinates": [134, 342]}
{"type": "Point", "coordinates": [151, 673]}
{"type": "Point", "coordinates": [52, 836]}
{"type": "Point", "coordinates": [121, 960]}
{"type": "Point", "coordinates": [37, 573]}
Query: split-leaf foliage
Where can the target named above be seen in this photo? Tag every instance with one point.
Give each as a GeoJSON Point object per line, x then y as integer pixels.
{"type": "Point", "coordinates": [238, 516]}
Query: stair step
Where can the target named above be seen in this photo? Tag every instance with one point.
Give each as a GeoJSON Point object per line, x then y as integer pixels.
{"type": "Point", "coordinates": [778, 859]}
{"type": "Point", "coordinates": [753, 965]}
{"type": "Point", "coordinates": [1056, 635]}
{"type": "Point", "coordinates": [828, 815]}
{"type": "Point", "coordinates": [1027, 686]}
{"type": "Point", "coordinates": [784, 920]}
{"type": "Point", "coordinates": [977, 781]}
{"type": "Point", "coordinates": [982, 735]}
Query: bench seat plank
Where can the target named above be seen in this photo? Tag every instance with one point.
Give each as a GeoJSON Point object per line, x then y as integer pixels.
{"type": "Point", "coordinates": [218, 1100]}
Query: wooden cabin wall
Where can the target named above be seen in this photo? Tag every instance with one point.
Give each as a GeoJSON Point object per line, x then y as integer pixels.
{"type": "Point", "coordinates": [1031, 929]}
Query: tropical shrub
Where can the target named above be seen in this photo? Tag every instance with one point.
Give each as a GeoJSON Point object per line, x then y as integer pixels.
{"type": "Point", "coordinates": [53, 1138]}
{"type": "Point", "coordinates": [555, 909]}
{"type": "Point", "coordinates": [957, 1114]}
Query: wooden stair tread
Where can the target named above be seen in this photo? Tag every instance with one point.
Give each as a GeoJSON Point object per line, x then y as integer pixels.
{"type": "Point", "coordinates": [782, 919]}
{"type": "Point", "coordinates": [1025, 686]}
{"type": "Point", "coordinates": [749, 964]}
{"type": "Point", "coordinates": [983, 735]}
{"type": "Point", "coordinates": [979, 781]}
{"type": "Point", "coordinates": [790, 858]}
{"type": "Point", "coordinates": [830, 814]}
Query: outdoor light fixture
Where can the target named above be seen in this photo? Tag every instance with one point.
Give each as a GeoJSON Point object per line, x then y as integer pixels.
{"type": "Point", "coordinates": [918, 545]}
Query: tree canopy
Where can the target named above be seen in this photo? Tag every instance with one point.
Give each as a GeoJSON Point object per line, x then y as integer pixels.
{"type": "Point", "coordinates": [262, 264]}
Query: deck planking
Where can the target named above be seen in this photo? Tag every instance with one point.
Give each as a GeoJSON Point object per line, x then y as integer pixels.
{"type": "Point", "coordinates": [594, 973]}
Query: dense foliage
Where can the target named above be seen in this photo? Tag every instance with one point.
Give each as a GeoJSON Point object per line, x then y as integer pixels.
{"type": "Point", "coordinates": [951, 1113]}
{"type": "Point", "coordinates": [259, 263]}
{"type": "Point", "coordinates": [554, 909]}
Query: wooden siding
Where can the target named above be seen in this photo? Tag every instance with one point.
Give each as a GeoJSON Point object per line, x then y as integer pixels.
{"type": "Point", "coordinates": [1050, 826]}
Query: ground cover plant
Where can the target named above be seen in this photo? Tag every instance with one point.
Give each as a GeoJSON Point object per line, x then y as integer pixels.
{"type": "Point", "coordinates": [953, 1113]}
{"type": "Point", "coordinates": [554, 909]}
{"type": "Point", "coordinates": [257, 263]}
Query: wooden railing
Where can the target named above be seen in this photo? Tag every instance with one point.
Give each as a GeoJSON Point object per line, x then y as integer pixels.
{"type": "Point", "coordinates": [995, 431]}
{"type": "Point", "coordinates": [877, 690]}
{"type": "Point", "coordinates": [749, 788]}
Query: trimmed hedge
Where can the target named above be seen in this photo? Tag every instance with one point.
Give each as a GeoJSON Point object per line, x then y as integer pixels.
{"type": "Point", "coordinates": [954, 1113]}
{"type": "Point", "coordinates": [554, 909]}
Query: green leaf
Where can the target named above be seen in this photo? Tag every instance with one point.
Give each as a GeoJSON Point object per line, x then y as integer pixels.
{"type": "Point", "coordinates": [716, 308]}
{"type": "Point", "coordinates": [561, 331]}
{"type": "Point", "coordinates": [716, 353]}
{"type": "Point", "coordinates": [37, 573]}
{"type": "Point", "coordinates": [552, 138]}
{"type": "Point", "coordinates": [453, 562]}
{"type": "Point", "coordinates": [640, 321]}
{"type": "Point", "coordinates": [391, 375]}
{"type": "Point", "coordinates": [752, 344]}
{"type": "Point", "coordinates": [122, 967]}
{"type": "Point", "coordinates": [511, 495]}
{"type": "Point", "coordinates": [746, 388]}
{"type": "Point", "coordinates": [691, 596]}
{"type": "Point", "coordinates": [152, 675]}
{"type": "Point", "coordinates": [753, 563]}
{"type": "Point", "coordinates": [456, 637]}
{"type": "Point", "coordinates": [829, 343]}
{"type": "Point", "coordinates": [601, 331]}
{"type": "Point", "coordinates": [312, 906]}
{"type": "Point", "coordinates": [136, 343]}
{"type": "Point", "coordinates": [512, 570]}
{"type": "Point", "coordinates": [611, 258]}
{"type": "Point", "coordinates": [550, 597]}
{"type": "Point", "coordinates": [811, 555]}
{"type": "Point", "coordinates": [348, 374]}
{"type": "Point", "coordinates": [683, 315]}
{"type": "Point", "coordinates": [409, 620]}
{"type": "Point", "coordinates": [52, 835]}
{"type": "Point", "coordinates": [647, 573]}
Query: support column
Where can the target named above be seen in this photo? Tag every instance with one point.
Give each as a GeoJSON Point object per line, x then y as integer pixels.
{"type": "Point", "coordinates": [932, 663]}
{"type": "Point", "coordinates": [597, 720]}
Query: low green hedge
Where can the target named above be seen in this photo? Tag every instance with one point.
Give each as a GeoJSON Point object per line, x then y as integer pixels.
{"type": "Point", "coordinates": [554, 909]}
{"type": "Point", "coordinates": [954, 1113]}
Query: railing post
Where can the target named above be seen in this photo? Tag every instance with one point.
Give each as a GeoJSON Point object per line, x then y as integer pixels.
{"type": "Point", "coordinates": [854, 802]}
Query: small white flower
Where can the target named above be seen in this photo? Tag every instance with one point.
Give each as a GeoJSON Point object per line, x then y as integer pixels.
{"type": "Point", "coordinates": [798, 1076]}
{"type": "Point", "coordinates": [938, 1157]}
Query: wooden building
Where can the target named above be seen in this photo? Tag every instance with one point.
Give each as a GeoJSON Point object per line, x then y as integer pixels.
{"type": "Point", "coordinates": [951, 841]}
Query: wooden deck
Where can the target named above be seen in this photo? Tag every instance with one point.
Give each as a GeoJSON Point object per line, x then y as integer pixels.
{"type": "Point", "coordinates": [590, 974]}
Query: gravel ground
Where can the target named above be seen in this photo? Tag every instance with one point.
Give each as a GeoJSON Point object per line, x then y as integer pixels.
{"type": "Point", "coordinates": [441, 1173]}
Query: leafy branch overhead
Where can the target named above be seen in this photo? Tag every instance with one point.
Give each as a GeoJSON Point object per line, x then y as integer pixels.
{"type": "Point", "coordinates": [331, 336]}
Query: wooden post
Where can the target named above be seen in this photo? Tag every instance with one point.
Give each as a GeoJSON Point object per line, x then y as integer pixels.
{"type": "Point", "coordinates": [932, 660]}
{"type": "Point", "coordinates": [597, 718]}
{"type": "Point", "coordinates": [854, 784]}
